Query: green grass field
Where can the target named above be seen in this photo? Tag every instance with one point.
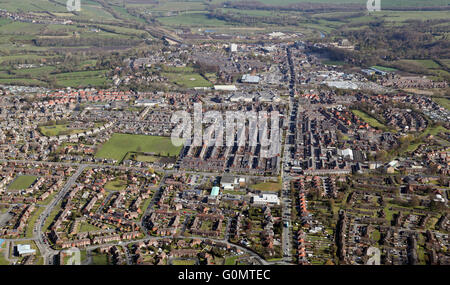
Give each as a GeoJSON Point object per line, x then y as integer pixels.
{"type": "Point", "coordinates": [147, 158]}
{"type": "Point", "coordinates": [384, 68]}
{"type": "Point", "coordinates": [431, 130]}
{"type": "Point", "coordinates": [82, 78]}
{"type": "Point", "coordinates": [120, 144]}
{"type": "Point", "coordinates": [426, 66]}
{"type": "Point", "coordinates": [183, 262]}
{"type": "Point", "coordinates": [56, 130]}
{"type": "Point", "coordinates": [390, 3]}
{"type": "Point", "coordinates": [267, 186]}
{"type": "Point", "coordinates": [116, 185]}
{"type": "Point", "coordinates": [3, 248]}
{"type": "Point", "coordinates": [193, 20]}
{"type": "Point", "coordinates": [443, 102]}
{"type": "Point", "coordinates": [333, 62]}
{"type": "Point", "coordinates": [22, 182]}
{"type": "Point", "coordinates": [61, 129]}
{"type": "Point", "coordinates": [231, 260]}
{"type": "Point", "coordinates": [426, 63]}
{"type": "Point", "coordinates": [86, 227]}
{"type": "Point", "coordinates": [51, 217]}
{"type": "Point", "coordinates": [374, 123]}
{"type": "Point", "coordinates": [32, 221]}
{"type": "Point", "coordinates": [99, 259]}
{"type": "Point", "coordinates": [188, 80]}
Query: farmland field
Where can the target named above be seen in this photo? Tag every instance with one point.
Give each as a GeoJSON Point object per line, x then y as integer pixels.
{"type": "Point", "coordinates": [430, 64]}
{"type": "Point", "coordinates": [197, 19]}
{"type": "Point", "coordinates": [443, 102]}
{"type": "Point", "coordinates": [391, 3]}
{"type": "Point", "coordinates": [84, 78]}
{"type": "Point", "coordinates": [120, 144]}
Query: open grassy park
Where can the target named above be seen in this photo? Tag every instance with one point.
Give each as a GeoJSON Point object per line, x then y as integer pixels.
{"type": "Point", "coordinates": [56, 130]}
{"type": "Point", "coordinates": [374, 123]}
{"type": "Point", "coordinates": [22, 182]}
{"type": "Point", "coordinates": [116, 185]}
{"type": "Point", "coordinates": [120, 144]}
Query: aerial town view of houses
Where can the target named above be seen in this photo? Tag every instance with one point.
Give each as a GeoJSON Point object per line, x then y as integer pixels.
{"type": "Point", "coordinates": [341, 149]}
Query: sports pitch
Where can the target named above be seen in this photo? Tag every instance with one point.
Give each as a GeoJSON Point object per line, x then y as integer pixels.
{"type": "Point", "coordinates": [120, 144]}
{"type": "Point", "coordinates": [22, 182]}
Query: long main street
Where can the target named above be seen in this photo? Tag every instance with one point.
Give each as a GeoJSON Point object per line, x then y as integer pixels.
{"type": "Point", "coordinates": [286, 179]}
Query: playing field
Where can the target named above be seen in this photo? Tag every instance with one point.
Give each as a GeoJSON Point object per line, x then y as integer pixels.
{"type": "Point", "coordinates": [22, 182]}
{"type": "Point", "coordinates": [56, 130]}
{"type": "Point", "coordinates": [188, 80]}
{"type": "Point", "coordinates": [267, 186]}
{"type": "Point", "coordinates": [120, 144]}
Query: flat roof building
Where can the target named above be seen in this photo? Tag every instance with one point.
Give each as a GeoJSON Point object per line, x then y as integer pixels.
{"type": "Point", "coordinates": [266, 199]}
{"type": "Point", "coordinates": [247, 78]}
{"type": "Point", "coordinates": [225, 87]}
{"type": "Point", "coordinates": [215, 191]}
{"type": "Point", "coordinates": [228, 182]}
{"type": "Point", "coordinates": [25, 250]}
